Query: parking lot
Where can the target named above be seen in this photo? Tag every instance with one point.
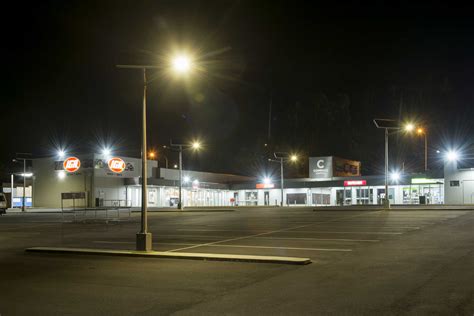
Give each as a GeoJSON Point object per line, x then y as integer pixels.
{"type": "Point", "coordinates": [363, 262]}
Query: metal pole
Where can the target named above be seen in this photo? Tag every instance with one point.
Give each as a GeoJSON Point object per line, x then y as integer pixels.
{"type": "Point", "coordinates": [144, 242]}
{"type": "Point", "coordinates": [281, 171]}
{"type": "Point", "coordinates": [387, 201]}
{"type": "Point", "coordinates": [180, 203]}
{"type": "Point", "coordinates": [11, 195]}
{"type": "Point", "coordinates": [426, 152]}
{"type": "Point", "coordinates": [24, 186]}
{"type": "Point", "coordinates": [166, 159]}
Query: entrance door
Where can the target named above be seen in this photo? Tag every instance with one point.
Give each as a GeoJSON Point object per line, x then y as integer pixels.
{"type": "Point", "coordinates": [266, 197]}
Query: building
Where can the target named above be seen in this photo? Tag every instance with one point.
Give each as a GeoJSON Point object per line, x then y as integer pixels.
{"type": "Point", "coordinates": [96, 180]}
{"type": "Point", "coordinates": [458, 184]}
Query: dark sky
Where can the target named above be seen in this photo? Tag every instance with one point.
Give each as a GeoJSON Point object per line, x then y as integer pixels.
{"type": "Point", "coordinates": [326, 70]}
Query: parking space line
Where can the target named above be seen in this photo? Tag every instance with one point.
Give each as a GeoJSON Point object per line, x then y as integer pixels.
{"type": "Point", "coordinates": [268, 233]}
{"type": "Point", "coordinates": [321, 239]}
{"type": "Point", "coordinates": [233, 246]}
{"type": "Point", "coordinates": [355, 232]}
{"type": "Point", "coordinates": [284, 248]}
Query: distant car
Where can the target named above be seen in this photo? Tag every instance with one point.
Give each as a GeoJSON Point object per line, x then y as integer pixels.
{"type": "Point", "coordinates": [3, 204]}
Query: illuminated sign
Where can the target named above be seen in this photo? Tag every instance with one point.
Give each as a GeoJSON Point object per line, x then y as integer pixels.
{"type": "Point", "coordinates": [424, 181]}
{"type": "Point", "coordinates": [350, 183]}
{"type": "Point", "coordinates": [116, 165]}
{"type": "Point", "coordinates": [265, 186]}
{"type": "Point", "coordinates": [71, 164]}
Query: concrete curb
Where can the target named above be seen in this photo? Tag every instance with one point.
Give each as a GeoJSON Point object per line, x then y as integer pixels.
{"type": "Point", "coordinates": [173, 255]}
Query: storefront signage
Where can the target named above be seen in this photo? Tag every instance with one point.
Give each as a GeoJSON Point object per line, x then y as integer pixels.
{"type": "Point", "coordinates": [71, 164]}
{"type": "Point", "coordinates": [350, 183]}
{"type": "Point", "coordinates": [424, 181]}
{"type": "Point", "coordinates": [116, 165]}
{"type": "Point", "coordinates": [265, 186]}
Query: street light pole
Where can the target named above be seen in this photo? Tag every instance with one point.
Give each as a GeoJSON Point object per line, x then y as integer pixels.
{"type": "Point", "coordinates": [426, 152]}
{"type": "Point", "coordinates": [24, 186]}
{"type": "Point", "coordinates": [281, 181]}
{"type": "Point", "coordinates": [144, 238]}
{"type": "Point", "coordinates": [180, 203]}
{"type": "Point", "coordinates": [386, 200]}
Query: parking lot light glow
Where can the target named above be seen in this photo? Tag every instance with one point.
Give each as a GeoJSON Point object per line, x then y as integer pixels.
{"type": "Point", "coordinates": [395, 176]}
{"type": "Point", "coordinates": [196, 145]}
{"type": "Point", "coordinates": [452, 155]}
{"type": "Point", "coordinates": [181, 64]}
{"type": "Point", "coordinates": [106, 152]}
{"type": "Point", "coordinates": [61, 153]}
{"type": "Point", "coordinates": [267, 180]}
{"type": "Point", "coordinates": [293, 158]}
{"type": "Point", "coordinates": [27, 175]}
{"type": "Point", "coordinates": [186, 179]}
{"type": "Point", "coordinates": [409, 127]}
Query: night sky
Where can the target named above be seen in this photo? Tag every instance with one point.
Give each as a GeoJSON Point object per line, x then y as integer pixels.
{"type": "Point", "coordinates": [326, 71]}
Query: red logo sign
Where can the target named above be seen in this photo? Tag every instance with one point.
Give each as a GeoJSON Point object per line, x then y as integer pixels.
{"type": "Point", "coordinates": [71, 164]}
{"type": "Point", "coordinates": [350, 183]}
{"type": "Point", "coordinates": [264, 186]}
{"type": "Point", "coordinates": [116, 165]}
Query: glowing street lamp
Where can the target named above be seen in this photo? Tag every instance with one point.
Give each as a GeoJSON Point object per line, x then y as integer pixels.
{"type": "Point", "coordinates": [395, 176]}
{"type": "Point", "coordinates": [61, 153]}
{"type": "Point", "coordinates": [181, 63]}
{"type": "Point", "coordinates": [452, 155]}
{"type": "Point", "coordinates": [409, 127]}
{"type": "Point", "coordinates": [196, 145]}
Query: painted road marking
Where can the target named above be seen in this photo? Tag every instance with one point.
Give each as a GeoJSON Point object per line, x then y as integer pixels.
{"type": "Point", "coordinates": [232, 246]}
{"type": "Point", "coordinates": [321, 239]}
{"type": "Point", "coordinates": [268, 233]}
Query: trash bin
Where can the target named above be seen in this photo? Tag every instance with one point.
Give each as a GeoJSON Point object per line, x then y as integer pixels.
{"type": "Point", "coordinates": [422, 199]}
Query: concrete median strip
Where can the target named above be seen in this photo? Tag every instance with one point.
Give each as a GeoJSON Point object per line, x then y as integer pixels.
{"type": "Point", "coordinates": [173, 255]}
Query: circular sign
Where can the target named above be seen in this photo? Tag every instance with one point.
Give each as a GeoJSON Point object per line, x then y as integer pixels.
{"type": "Point", "coordinates": [71, 164]}
{"type": "Point", "coordinates": [116, 165]}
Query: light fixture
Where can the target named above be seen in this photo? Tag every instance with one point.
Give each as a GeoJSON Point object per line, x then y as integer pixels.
{"type": "Point", "coordinates": [452, 155]}
{"type": "Point", "coordinates": [181, 64]}
{"type": "Point", "coordinates": [175, 166]}
{"type": "Point", "coordinates": [409, 127]}
{"type": "Point", "coordinates": [186, 179]}
{"type": "Point", "coordinates": [267, 180]}
{"type": "Point", "coordinates": [196, 145]}
{"type": "Point", "coordinates": [395, 176]}
{"type": "Point", "coordinates": [61, 153]}
{"type": "Point", "coordinates": [26, 175]}
{"type": "Point", "coordinates": [293, 157]}
{"type": "Point", "coordinates": [106, 152]}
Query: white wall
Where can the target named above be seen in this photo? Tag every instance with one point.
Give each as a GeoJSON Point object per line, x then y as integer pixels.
{"type": "Point", "coordinates": [462, 194]}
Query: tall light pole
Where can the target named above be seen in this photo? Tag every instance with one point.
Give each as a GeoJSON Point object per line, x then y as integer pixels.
{"type": "Point", "coordinates": [180, 146]}
{"type": "Point", "coordinates": [387, 125]}
{"type": "Point", "coordinates": [422, 131]}
{"type": "Point", "coordinates": [281, 157]}
{"type": "Point", "coordinates": [144, 238]}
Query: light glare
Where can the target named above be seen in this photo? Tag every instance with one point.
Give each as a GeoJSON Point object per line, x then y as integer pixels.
{"type": "Point", "coordinates": [452, 155]}
{"type": "Point", "coordinates": [181, 63]}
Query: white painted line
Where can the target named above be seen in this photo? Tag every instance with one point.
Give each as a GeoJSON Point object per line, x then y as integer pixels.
{"type": "Point", "coordinates": [268, 233]}
{"type": "Point", "coordinates": [321, 239]}
{"type": "Point", "coordinates": [363, 233]}
{"type": "Point", "coordinates": [285, 248]}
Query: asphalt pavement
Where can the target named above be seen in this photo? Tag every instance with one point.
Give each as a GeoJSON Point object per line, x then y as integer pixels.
{"type": "Point", "coordinates": [364, 262]}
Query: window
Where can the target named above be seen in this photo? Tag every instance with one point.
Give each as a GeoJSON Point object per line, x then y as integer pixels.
{"type": "Point", "coordinates": [296, 198]}
{"type": "Point", "coordinates": [454, 183]}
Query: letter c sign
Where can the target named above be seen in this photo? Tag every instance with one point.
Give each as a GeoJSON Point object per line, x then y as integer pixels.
{"type": "Point", "coordinates": [320, 164]}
